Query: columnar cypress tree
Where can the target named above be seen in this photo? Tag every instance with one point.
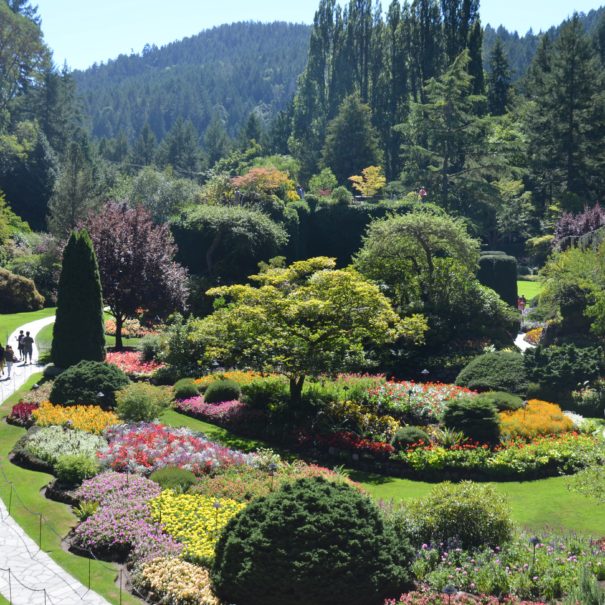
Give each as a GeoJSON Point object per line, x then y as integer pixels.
{"type": "Point", "coordinates": [79, 332]}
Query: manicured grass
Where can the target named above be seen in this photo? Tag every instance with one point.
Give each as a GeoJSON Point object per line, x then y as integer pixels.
{"type": "Point", "coordinates": [27, 484]}
{"type": "Point", "coordinates": [529, 289]}
{"type": "Point", "coordinates": [10, 322]}
{"type": "Point", "coordinates": [536, 505]}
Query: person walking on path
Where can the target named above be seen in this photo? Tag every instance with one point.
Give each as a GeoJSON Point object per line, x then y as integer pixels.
{"type": "Point", "coordinates": [2, 360]}
{"type": "Point", "coordinates": [9, 356]}
{"type": "Point", "coordinates": [28, 347]}
{"type": "Point", "coordinates": [20, 344]}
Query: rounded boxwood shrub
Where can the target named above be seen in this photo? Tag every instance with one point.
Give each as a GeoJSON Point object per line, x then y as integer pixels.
{"type": "Point", "coordinates": [504, 402]}
{"type": "Point", "coordinates": [72, 469]}
{"type": "Point", "coordinates": [222, 390]}
{"type": "Point", "coordinates": [310, 543]}
{"type": "Point", "coordinates": [468, 515]}
{"type": "Point", "coordinates": [476, 418]}
{"type": "Point", "coordinates": [141, 402]}
{"type": "Point", "coordinates": [88, 383]}
{"type": "Point", "coordinates": [174, 478]}
{"type": "Point", "coordinates": [499, 371]}
{"type": "Point", "coordinates": [185, 388]}
{"type": "Point", "coordinates": [408, 435]}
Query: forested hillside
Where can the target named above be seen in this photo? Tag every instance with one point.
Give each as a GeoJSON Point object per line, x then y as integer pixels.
{"type": "Point", "coordinates": [228, 71]}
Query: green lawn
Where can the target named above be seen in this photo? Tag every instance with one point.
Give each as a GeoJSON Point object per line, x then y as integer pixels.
{"type": "Point", "coordinates": [529, 289]}
{"type": "Point", "coordinates": [536, 505]}
{"type": "Point", "coordinates": [10, 322]}
{"type": "Point", "coordinates": [27, 484]}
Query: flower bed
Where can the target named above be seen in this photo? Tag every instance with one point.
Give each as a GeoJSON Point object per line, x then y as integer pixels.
{"type": "Point", "coordinates": [354, 443]}
{"type": "Point", "coordinates": [171, 580]}
{"type": "Point", "coordinates": [131, 328]}
{"type": "Point", "coordinates": [416, 403]}
{"type": "Point", "coordinates": [534, 336]}
{"type": "Point", "coordinates": [22, 414]}
{"type": "Point", "coordinates": [536, 418]}
{"type": "Point", "coordinates": [88, 418]}
{"type": "Point", "coordinates": [226, 413]}
{"type": "Point", "coordinates": [430, 597]}
{"type": "Point", "coordinates": [130, 363]}
{"type": "Point", "coordinates": [145, 447]}
{"type": "Point", "coordinates": [240, 376]}
{"type": "Point", "coordinates": [195, 521]}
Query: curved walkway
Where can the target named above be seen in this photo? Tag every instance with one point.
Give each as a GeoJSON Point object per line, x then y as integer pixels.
{"type": "Point", "coordinates": [29, 567]}
{"type": "Point", "coordinates": [522, 343]}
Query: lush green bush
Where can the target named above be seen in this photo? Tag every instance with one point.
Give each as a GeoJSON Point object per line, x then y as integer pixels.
{"type": "Point", "coordinates": [72, 469]}
{"type": "Point", "coordinates": [501, 401]}
{"type": "Point", "coordinates": [310, 543]}
{"type": "Point", "coordinates": [222, 390]}
{"type": "Point", "coordinates": [141, 402]}
{"type": "Point", "coordinates": [565, 367]}
{"type": "Point", "coordinates": [88, 383]}
{"type": "Point", "coordinates": [185, 388]}
{"type": "Point", "coordinates": [408, 435]}
{"type": "Point", "coordinates": [150, 347]}
{"type": "Point", "coordinates": [261, 392]}
{"type": "Point", "coordinates": [476, 418]}
{"type": "Point", "coordinates": [172, 477]}
{"type": "Point", "coordinates": [499, 272]}
{"type": "Point", "coordinates": [18, 293]}
{"type": "Point", "coordinates": [470, 514]}
{"type": "Point", "coordinates": [499, 371]}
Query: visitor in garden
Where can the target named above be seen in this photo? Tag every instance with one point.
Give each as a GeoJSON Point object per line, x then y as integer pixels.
{"type": "Point", "coordinates": [2, 359]}
{"type": "Point", "coordinates": [28, 347]}
{"type": "Point", "coordinates": [521, 303]}
{"type": "Point", "coordinates": [9, 356]}
{"type": "Point", "coordinates": [20, 344]}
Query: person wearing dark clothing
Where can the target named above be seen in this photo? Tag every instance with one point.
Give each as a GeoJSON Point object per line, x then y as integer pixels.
{"type": "Point", "coordinates": [28, 347]}
{"type": "Point", "coordinates": [9, 356]}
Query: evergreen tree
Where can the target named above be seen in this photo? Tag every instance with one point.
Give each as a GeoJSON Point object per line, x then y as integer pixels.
{"type": "Point", "coordinates": [475, 65]}
{"type": "Point", "coordinates": [459, 17]}
{"type": "Point", "coordinates": [216, 141]}
{"type": "Point", "coordinates": [144, 148]}
{"type": "Point", "coordinates": [499, 81]}
{"type": "Point", "coordinates": [79, 331]}
{"type": "Point", "coordinates": [180, 149]}
{"type": "Point", "coordinates": [351, 141]}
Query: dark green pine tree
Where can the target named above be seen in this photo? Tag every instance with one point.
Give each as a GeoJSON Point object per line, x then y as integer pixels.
{"type": "Point", "coordinates": [216, 140]}
{"type": "Point", "coordinates": [499, 81]}
{"type": "Point", "coordinates": [79, 332]}
{"type": "Point", "coordinates": [475, 64]}
{"type": "Point", "coordinates": [351, 141]}
{"type": "Point", "coordinates": [459, 17]}
{"type": "Point", "coordinates": [144, 148]}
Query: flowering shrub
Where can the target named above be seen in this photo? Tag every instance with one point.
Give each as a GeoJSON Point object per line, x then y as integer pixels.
{"type": "Point", "coordinates": [416, 403]}
{"type": "Point", "coordinates": [354, 443]}
{"type": "Point", "coordinates": [109, 487]}
{"type": "Point", "coordinates": [511, 568]}
{"type": "Point", "coordinates": [534, 336]}
{"type": "Point", "coordinates": [21, 414]}
{"type": "Point", "coordinates": [52, 442]}
{"type": "Point", "coordinates": [144, 448]}
{"type": "Point", "coordinates": [131, 328]}
{"type": "Point", "coordinates": [195, 521]}
{"type": "Point", "coordinates": [429, 597]}
{"type": "Point", "coordinates": [226, 412]}
{"type": "Point", "coordinates": [239, 376]}
{"type": "Point", "coordinates": [88, 418]}
{"type": "Point", "coordinates": [357, 418]}
{"type": "Point", "coordinates": [171, 580]}
{"type": "Point", "coordinates": [130, 363]}
{"type": "Point", "coordinates": [536, 418]}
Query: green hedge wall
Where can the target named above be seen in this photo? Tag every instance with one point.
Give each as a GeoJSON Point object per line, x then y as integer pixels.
{"type": "Point", "coordinates": [499, 272]}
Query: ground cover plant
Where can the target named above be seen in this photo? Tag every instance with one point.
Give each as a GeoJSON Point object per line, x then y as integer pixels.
{"type": "Point", "coordinates": [132, 363]}
{"type": "Point", "coordinates": [87, 418]}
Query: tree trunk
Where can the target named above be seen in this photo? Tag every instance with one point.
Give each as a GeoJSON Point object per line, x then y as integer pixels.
{"type": "Point", "coordinates": [119, 324]}
{"type": "Point", "coordinates": [296, 387]}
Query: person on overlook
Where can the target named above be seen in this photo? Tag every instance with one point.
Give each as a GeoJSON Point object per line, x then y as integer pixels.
{"type": "Point", "coordinates": [9, 356]}
{"type": "Point", "coordinates": [20, 344]}
{"type": "Point", "coordinates": [28, 347]}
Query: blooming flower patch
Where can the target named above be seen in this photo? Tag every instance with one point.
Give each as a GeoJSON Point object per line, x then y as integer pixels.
{"type": "Point", "coordinates": [240, 376]}
{"type": "Point", "coordinates": [195, 521]}
{"type": "Point", "coordinates": [535, 418]}
{"type": "Point", "coordinates": [145, 447]}
{"type": "Point", "coordinates": [226, 412]}
{"type": "Point", "coordinates": [130, 363]}
{"type": "Point", "coordinates": [354, 443]}
{"type": "Point", "coordinates": [132, 328]}
{"type": "Point", "coordinates": [21, 414]}
{"type": "Point", "coordinates": [88, 418]}
{"type": "Point", "coordinates": [110, 487]}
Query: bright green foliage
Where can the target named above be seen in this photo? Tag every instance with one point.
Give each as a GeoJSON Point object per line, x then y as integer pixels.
{"type": "Point", "coordinates": [303, 320]}
{"type": "Point", "coordinates": [588, 591]}
{"type": "Point", "coordinates": [222, 390]}
{"type": "Point", "coordinates": [185, 388]}
{"type": "Point", "coordinates": [79, 331]}
{"type": "Point", "coordinates": [325, 181]}
{"type": "Point", "coordinates": [501, 401]}
{"type": "Point", "coordinates": [409, 435]}
{"type": "Point", "coordinates": [590, 482]}
{"type": "Point", "coordinates": [88, 383]}
{"type": "Point", "coordinates": [141, 402]}
{"type": "Point", "coordinates": [72, 469]}
{"type": "Point", "coordinates": [263, 392]}
{"type": "Point", "coordinates": [499, 272]}
{"type": "Point", "coordinates": [499, 371]}
{"type": "Point", "coordinates": [469, 513]}
{"type": "Point", "coordinates": [476, 418]}
{"type": "Point", "coordinates": [310, 543]}
{"type": "Point", "coordinates": [18, 294]}
{"type": "Point", "coordinates": [172, 477]}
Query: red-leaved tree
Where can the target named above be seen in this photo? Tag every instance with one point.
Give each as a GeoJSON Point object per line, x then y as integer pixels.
{"type": "Point", "coordinates": [136, 263]}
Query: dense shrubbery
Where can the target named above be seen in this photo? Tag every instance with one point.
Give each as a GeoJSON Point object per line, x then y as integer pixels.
{"type": "Point", "coordinates": [185, 388]}
{"type": "Point", "coordinates": [502, 401]}
{"type": "Point", "coordinates": [72, 469]}
{"type": "Point", "coordinates": [499, 371]}
{"type": "Point", "coordinates": [222, 390]}
{"type": "Point", "coordinates": [262, 392]}
{"type": "Point", "coordinates": [18, 294]}
{"type": "Point", "coordinates": [140, 402]}
{"type": "Point", "coordinates": [88, 382]}
{"type": "Point", "coordinates": [476, 418]}
{"type": "Point", "coordinates": [409, 435]}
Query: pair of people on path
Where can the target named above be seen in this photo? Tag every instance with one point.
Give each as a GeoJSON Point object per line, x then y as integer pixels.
{"type": "Point", "coordinates": [25, 345]}
{"type": "Point", "coordinates": [7, 358]}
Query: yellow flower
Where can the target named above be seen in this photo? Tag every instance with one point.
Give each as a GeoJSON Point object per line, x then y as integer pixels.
{"type": "Point", "coordinates": [89, 418]}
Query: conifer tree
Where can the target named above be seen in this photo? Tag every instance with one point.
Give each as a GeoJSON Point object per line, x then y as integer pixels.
{"type": "Point", "coordinates": [79, 332]}
{"type": "Point", "coordinates": [499, 81]}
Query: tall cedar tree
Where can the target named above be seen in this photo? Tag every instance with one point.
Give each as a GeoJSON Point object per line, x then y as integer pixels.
{"type": "Point", "coordinates": [351, 140]}
{"type": "Point", "coordinates": [136, 263]}
{"type": "Point", "coordinates": [79, 332]}
{"type": "Point", "coordinates": [499, 81]}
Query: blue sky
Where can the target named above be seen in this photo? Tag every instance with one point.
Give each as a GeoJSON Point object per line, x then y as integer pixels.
{"type": "Point", "coordinates": [82, 32]}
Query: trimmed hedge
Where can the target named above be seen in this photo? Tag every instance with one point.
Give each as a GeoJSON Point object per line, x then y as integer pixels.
{"type": "Point", "coordinates": [222, 390]}
{"type": "Point", "coordinates": [499, 371]}
{"type": "Point", "coordinates": [476, 418]}
{"type": "Point", "coordinates": [498, 271]}
{"type": "Point", "coordinates": [18, 294]}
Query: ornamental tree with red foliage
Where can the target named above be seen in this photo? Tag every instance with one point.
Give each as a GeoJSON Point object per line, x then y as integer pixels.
{"type": "Point", "coordinates": [136, 263]}
{"type": "Point", "coordinates": [573, 226]}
